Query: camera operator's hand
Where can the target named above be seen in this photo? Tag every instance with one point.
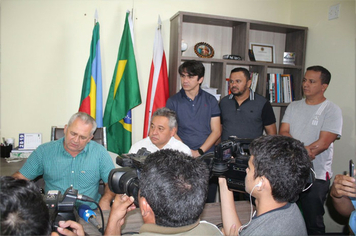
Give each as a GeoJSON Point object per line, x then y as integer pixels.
{"type": "Point", "coordinates": [77, 229]}
{"type": "Point", "coordinates": [231, 221]}
{"type": "Point", "coordinates": [122, 204]}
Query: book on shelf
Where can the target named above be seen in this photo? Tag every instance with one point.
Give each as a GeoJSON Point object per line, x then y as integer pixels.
{"type": "Point", "coordinates": [280, 88]}
{"type": "Point", "coordinates": [254, 79]}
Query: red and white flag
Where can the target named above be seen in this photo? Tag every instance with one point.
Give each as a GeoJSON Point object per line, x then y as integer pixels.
{"type": "Point", "coordinates": [158, 89]}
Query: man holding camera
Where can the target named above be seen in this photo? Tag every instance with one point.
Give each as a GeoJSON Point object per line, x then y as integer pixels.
{"type": "Point", "coordinates": [277, 172]}
{"type": "Point", "coordinates": [161, 134]}
{"type": "Point", "coordinates": [74, 161]}
{"type": "Point", "coordinates": [173, 189]}
{"type": "Point", "coordinates": [23, 211]}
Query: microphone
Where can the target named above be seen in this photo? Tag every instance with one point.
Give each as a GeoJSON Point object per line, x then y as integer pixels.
{"type": "Point", "coordinates": [86, 213]}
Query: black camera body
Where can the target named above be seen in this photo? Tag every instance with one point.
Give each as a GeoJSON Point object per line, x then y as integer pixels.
{"type": "Point", "coordinates": [61, 207]}
{"type": "Point", "coordinates": [230, 160]}
{"type": "Point", "coordinates": [125, 179]}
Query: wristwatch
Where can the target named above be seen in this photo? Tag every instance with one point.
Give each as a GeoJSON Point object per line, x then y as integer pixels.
{"type": "Point", "coordinates": [200, 151]}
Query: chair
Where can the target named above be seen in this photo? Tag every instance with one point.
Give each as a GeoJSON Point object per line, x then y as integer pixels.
{"type": "Point", "coordinates": [99, 135]}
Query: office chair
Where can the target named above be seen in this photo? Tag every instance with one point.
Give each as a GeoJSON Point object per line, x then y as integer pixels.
{"type": "Point", "coordinates": [99, 137]}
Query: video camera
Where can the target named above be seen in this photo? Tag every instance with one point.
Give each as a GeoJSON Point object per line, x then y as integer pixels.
{"type": "Point", "coordinates": [61, 207]}
{"type": "Point", "coordinates": [125, 179]}
{"type": "Point", "coordinates": [230, 160]}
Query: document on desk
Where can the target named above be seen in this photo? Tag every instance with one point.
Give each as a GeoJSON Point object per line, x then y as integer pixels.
{"type": "Point", "coordinates": [13, 159]}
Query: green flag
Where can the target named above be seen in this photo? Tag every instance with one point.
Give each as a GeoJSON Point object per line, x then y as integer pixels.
{"type": "Point", "coordinates": [124, 94]}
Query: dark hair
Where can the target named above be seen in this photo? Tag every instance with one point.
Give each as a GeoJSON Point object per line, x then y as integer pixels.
{"type": "Point", "coordinates": [284, 161]}
{"type": "Point", "coordinates": [193, 68]}
{"type": "Point", "coordinates": [325, 75]}
{"type": "Point", "coordinates": [175, 185]}
{"type": "Point", "coordinates": [243, 70]}
{"type": "Point", "coordinates": [168, 113]}
{"type": "Point", "coordinates": [23, 211]}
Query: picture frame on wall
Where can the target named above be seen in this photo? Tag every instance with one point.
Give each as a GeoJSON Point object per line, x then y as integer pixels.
{"type": "Point", "coordinates": [263, 52]}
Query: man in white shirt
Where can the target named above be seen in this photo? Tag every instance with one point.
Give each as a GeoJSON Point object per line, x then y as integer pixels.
{"type": "Point", "coordinates": [161, 134]}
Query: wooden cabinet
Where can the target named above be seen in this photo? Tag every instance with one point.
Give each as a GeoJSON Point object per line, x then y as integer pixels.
{"type": "Point", "coordinates": [233, 36]}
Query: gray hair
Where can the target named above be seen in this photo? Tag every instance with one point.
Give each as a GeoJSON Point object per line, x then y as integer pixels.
{"type": "Point", "coordinates": [84, 117]}
{"type": "Point", "coordinates": [170, 114]}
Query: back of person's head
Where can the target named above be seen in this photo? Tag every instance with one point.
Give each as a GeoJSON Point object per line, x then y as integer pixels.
{"type": "Point", "coordinates": [168, 113]}
{"type": "Point", "coordinates": [192, 68]}
{"type": "Point", "coordinates": [284, 161]}
{"type": "Point", "coordinates": [84, 117]}
{"type": "Point", "coordinates": [175, 186]}
{"type": "Point", "coordinates": [325, 75]}
{"type": "Point", "coordinates": [243, 70]}
{"type": "Point", "coordinates": [23, 211]}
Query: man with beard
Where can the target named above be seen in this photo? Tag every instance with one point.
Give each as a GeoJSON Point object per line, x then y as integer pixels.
{"type": "Point", "coordinates": [244, 113]}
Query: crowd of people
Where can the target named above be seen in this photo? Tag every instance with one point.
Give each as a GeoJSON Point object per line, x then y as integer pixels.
{"type": "Point", "coordinates": [175, 183]}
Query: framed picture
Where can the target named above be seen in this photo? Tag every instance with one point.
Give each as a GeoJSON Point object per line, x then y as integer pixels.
{"type": "Point", "coordinates": [204, 50]}
{"type": "Point", "coordinates": [263, 52]}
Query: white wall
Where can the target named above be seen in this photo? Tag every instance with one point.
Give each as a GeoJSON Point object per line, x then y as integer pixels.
{"type": "Point", "coordinates": [45, 47]}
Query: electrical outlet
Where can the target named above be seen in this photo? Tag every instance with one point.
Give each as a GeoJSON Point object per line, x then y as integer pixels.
{"type": "Point", "coordinates": [334, 11]}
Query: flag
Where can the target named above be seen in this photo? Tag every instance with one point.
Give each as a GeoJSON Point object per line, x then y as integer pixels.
{"type": "Point", "coordinates": [156, 98]}
{"type": "Point", "coordinates": [91, 101]}
{"type": "Point", "coordinates": [124, 94]}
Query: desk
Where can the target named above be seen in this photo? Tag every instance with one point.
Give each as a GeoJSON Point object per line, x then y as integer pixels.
{"type": "Point", "coordinates": [10, 168]}
{"type": "Point", "coordinates": [133, 221]}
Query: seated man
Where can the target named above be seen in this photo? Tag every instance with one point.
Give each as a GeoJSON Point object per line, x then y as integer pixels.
{"type": "Point", "coordinates": [343, 194]}
{"type": "Point", "coordinates": [23, 211]}
{"type": "Point", "coordinates": [277, 172]}
{"type": "Point", "coordinates": [173, 189]}
{"type": "Point", "coordinates": [161, 134]}
{"type": "Point", "coordinates": [73, 160]}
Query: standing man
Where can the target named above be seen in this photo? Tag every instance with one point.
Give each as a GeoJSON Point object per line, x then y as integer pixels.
{"type": "Point", "coordinates": [73, 160]}
{"type": "Point", "coordinates": [244, 113]}
{"type": "Point", "coordinates": [161, 134]}
{"type": "Point", "coordinates": [316, 122]}
{"type": "Point", "coordinates": [198, 112]}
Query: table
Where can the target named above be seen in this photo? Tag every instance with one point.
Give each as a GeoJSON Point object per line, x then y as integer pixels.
{"type": "Point", "coordinates": [10, 168]}
{"type": "Point", "coordinates": [133, 221]}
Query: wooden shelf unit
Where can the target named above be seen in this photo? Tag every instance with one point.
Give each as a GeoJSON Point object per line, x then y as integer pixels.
{"type": "Point", "coordinates": [233, 36]}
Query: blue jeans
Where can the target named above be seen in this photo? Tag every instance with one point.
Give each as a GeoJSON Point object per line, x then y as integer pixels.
{"type": "Point", "coordinates": [312, 205]}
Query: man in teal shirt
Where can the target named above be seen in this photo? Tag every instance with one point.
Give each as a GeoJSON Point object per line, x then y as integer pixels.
{"type": "Point", "coordinates": [73, 161]}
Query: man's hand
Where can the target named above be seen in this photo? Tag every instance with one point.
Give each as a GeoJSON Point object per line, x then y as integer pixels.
{"type": "Point", "coordinates": [105, 200]}
{"type": "Point", "coordinates": [122, 204]}
{"type": "Point", "coordinates": [195, 153]}
{"type": "Point", "coordinates": [312, 151]}
{"type": "Point", "coordinates": [342, 189]}
{"type": "Point", "coordinates": [343, 186]}
{"type": "Point", "coordinates": [77, 229]}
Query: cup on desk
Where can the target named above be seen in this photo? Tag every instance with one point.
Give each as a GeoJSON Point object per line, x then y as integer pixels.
{"type": "Point", "coordinates": [5, 150]}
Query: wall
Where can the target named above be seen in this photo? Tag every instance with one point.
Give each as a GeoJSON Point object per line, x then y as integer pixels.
{"type": "Point", "coordinates": [45, 47]}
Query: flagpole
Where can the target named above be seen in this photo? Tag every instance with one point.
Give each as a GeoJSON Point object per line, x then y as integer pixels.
{"type": "Point", "coordinates": [96, 17]}
{"type": "Point", "coordinates": [159, 23]}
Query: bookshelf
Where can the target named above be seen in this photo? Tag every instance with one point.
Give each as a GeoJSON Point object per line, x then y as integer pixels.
{"type": "Point", "coordinates": [228, 35]}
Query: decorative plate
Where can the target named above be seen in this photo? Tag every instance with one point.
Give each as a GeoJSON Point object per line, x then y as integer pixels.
{"type": "Point", "coordinates": [204, 50]}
